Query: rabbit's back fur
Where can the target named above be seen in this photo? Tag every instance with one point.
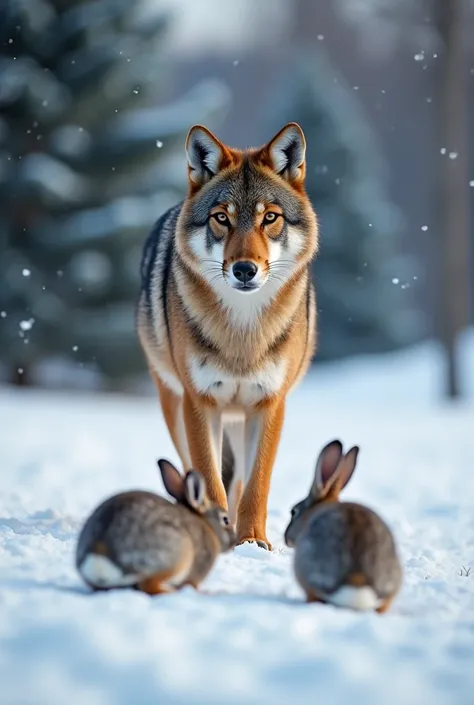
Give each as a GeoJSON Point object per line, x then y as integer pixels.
{"type": "Point", "coordinates": [343, 545]}
{"type": "Point", "coordinates": [138, 534]}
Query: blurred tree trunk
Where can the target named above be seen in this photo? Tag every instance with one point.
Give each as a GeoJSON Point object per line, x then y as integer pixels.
{"type": "Point", "coordinates": [453, 196]}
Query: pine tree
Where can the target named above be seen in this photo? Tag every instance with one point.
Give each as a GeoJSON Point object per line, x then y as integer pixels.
{"type": "Point", "coordinates": [362, 288]}
{"type": "Point", "coordinates": [87, 163]}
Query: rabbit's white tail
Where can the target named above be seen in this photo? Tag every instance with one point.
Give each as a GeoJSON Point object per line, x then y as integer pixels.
{"type": "Point", "coordinates": [356, 598]}
{"type": "Point", "coordinates": [101, 572]}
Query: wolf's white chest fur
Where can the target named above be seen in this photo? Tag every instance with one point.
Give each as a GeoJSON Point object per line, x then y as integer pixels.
{"type": "Point", "coordinates": [240, 391]}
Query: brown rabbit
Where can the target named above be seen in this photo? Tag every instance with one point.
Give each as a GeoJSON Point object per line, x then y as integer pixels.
{"type": "Point", "coordinates": [141, 539]}
{"type": "Point", "coordinates": [345, 554]}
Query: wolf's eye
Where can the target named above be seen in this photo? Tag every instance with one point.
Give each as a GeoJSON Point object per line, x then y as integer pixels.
{"type": "Point", "coordinates": [270, 218]}
{"type": "Point", "coordinates": [222, 219]}
{"type": "Point", "coordinates": [294, 512]}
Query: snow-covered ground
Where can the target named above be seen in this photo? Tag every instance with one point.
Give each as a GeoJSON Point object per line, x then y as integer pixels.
{"type": "Point", "coordinates": [248, 638]}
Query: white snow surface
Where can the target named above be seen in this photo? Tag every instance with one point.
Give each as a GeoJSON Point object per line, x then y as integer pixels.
{"type": "Point", "coordinates": [247, 637]}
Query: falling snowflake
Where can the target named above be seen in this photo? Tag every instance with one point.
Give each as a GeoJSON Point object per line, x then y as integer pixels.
{"type": "Point", "coordinates": [453, 155]}
{"type": "Point", "coordinates": [235, 63]}
{"type": "Point", "coordinates": [26, 272]}
{"type": "Point", "coordinates": [420, 56]}
{"type": "Point", "coordinates": [159, 144]}
{"type": "Point", "coordinates": [424, 228]}
{"type": "Point", "coordinates": [395, 280]}
{"type": "Point", "coordinates": [443, 150]}
{"type": "Point", "coordinates": [27, 325]}
{"type": "Point", "coordinates": [3, 314]}
{"type": "Point", "coordinates": [75, 348]}
{"type": "Point", "coordinates": [471, 184]}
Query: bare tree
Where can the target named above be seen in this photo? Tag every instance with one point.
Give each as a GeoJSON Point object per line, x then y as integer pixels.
{"type": "Point", "coordinates": [453, 197]}
{"type": "Point", "coordinates": [452, 22]}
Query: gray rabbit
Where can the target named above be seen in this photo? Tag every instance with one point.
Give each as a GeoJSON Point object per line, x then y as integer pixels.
{"type": "Point", "coordinates": [345, 554]}
{"type": "Point", "coordinates": [141, 539]}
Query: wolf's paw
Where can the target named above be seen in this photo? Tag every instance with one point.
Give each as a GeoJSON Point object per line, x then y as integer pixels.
{"type": "Point", "coordinates": [260, 542]}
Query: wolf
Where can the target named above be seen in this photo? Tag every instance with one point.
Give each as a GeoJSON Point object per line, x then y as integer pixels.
{"type": "Point", "coordinates": [227, 313]}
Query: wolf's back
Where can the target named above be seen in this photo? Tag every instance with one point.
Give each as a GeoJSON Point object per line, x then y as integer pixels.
{"type": "Point", "coordinates": [155, 266]}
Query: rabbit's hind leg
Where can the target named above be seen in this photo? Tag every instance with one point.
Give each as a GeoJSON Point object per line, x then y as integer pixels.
{"type": "Point", "coordinates": [156, 584]}
{"type": "Point", "coordinates": [311, 596]}
{"type": "Point", "coordinates": [385, 606]}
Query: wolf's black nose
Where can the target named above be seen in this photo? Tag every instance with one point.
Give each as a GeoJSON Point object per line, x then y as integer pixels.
{"type": "Point", "coordinates": [244, 271]}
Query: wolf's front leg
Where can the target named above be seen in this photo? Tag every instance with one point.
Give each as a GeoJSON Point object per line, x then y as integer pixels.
{"type": "Point", "coordinates": [204, 432]}
{"type": "Point", "coordinates": [262, 435]}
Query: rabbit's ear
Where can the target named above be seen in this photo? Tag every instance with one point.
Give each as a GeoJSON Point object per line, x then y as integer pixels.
{"type": "Point", "coordinates": [326, 465]}
{"type": "Point", "coordinates": [172, 479]}
{"type": "Point", "coordinates": [195, 491]}
{"type": "Point", "coordinates": [345, 469]}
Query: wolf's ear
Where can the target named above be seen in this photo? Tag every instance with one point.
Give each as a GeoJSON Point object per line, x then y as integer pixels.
{"type": "Point", "coordinates": [285, 153]}
{"type": "Point", "coordinates": [206, 155]}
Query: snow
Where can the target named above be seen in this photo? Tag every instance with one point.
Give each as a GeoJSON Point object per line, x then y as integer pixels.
{"type": "Point", "coordinates": [27, 324]}
{"type": "Point", "coordinates": [248, 638]}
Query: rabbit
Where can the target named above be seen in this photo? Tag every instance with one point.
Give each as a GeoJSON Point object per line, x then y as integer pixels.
{"type": "Point", "coordinates": [140, 539]}
{"type": "Point", "coordinates": [345, 554]}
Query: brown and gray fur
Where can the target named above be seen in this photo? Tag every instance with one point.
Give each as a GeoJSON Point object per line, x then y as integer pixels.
{"type": "Point", "coordinates": [227, 315]}
{"type": "Point", "coordinates": [345, 554]}
{"type": "Point", "coordinates": [140, 539]}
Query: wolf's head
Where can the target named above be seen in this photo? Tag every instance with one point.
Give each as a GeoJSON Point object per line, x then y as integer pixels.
{"type": "Point", "coordinates": [247, 226]}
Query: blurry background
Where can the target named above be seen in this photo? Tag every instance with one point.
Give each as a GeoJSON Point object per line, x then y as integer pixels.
{"type": "Point", "coordinates": [95, 102]}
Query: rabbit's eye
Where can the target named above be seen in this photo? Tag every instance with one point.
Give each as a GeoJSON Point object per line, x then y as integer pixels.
{"type": "Point", "coordinates": [225, 520]}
